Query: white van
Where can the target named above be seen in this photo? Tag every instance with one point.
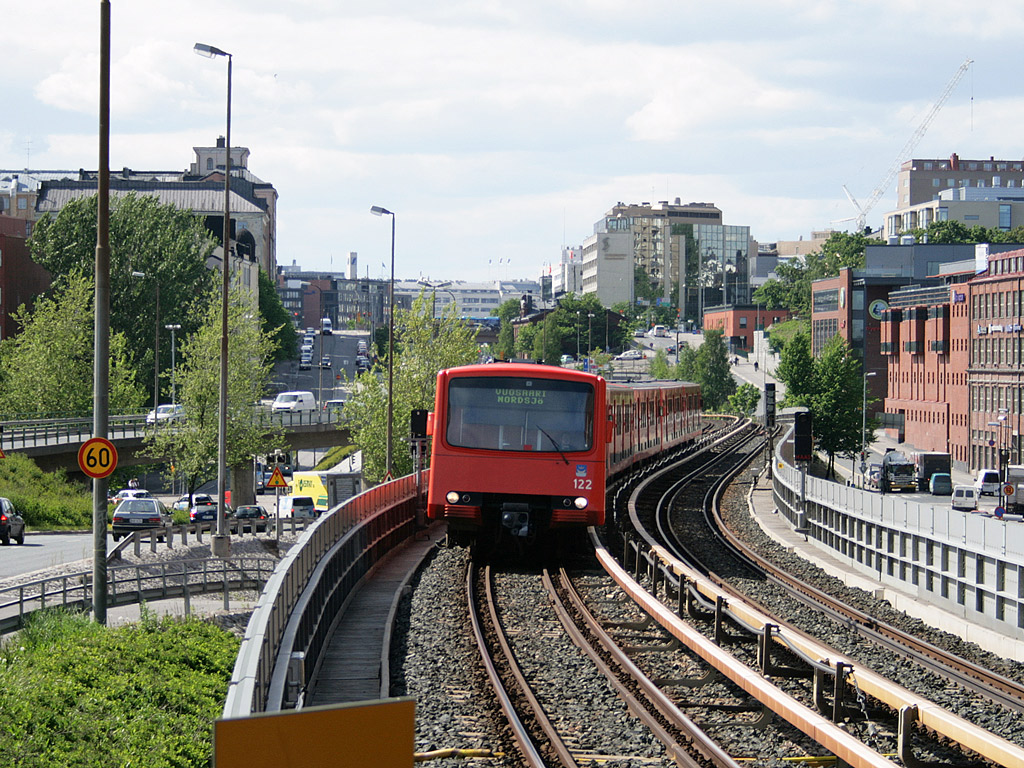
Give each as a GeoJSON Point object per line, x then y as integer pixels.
{"type": "Point", "coordinates": [325, 326]}
{"type": "Point", "coordinates": [294, 402]}
{"type": "Point", "coordinates": [987, 482]}
{"type": "Point", "coordinates": [297, 506]}
{"type": "Point", "coordinates": [965, 497]}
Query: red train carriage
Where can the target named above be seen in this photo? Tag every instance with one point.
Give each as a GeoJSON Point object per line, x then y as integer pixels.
{"type": "Point", "coordinates": [527, 448]}
{"type": "Point", "coordinates": [518, 447]}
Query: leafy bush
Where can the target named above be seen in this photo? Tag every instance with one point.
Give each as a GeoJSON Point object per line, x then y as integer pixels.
{"type": "Point", "coordinates": [75, 693]}
{"type": "Point", "coordinates": [45, 499]}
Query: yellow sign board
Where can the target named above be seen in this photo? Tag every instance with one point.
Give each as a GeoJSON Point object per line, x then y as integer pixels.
{"type": "Point", "coordinates": [377, 733]}
{"type": "Point", "coordinates": [2, 454]}
{"type": "Point", "coordinates": [277, 479]}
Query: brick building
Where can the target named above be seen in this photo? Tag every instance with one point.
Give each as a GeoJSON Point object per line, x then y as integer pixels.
{"type": "Point", "coordinates": [739, 323]}
{"type": "Point", "coordinates": [21, 279]}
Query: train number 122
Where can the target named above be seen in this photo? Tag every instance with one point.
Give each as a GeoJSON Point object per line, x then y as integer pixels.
{"type": "Point", "coordinates": [582, 484]}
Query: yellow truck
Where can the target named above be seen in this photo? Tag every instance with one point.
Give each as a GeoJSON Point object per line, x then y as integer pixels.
{"type": "Point", "coordinates": [311, 484]}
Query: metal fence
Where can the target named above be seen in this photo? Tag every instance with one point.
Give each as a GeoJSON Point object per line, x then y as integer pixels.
{"type": "Point", "coordinates": [309, 587]}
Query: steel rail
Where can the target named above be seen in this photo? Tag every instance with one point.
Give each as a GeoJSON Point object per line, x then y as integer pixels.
{"type": "Point", "coordinates": [698, 740]}
{"type": "Point", "coordinates": [520, 731]}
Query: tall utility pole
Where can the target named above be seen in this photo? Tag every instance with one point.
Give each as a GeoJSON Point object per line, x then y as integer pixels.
{"type": "Point", "coordinates": [101, 339]}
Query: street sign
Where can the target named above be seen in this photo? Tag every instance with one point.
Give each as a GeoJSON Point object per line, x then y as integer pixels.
{"type": "Point", "coordinates": [97, 457]}
{"type": "Point", "coordinates": [2, 454]}
{"type": "Point", "coordinates": [277, 479]}
{"type": "Point", "coordinates": [1008, 489]}
{"type": "Point", "coordinates": [999, 511]}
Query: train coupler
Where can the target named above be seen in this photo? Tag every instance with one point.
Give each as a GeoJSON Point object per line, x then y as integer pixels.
{"type": "Point", "coordinates": [516, 517]}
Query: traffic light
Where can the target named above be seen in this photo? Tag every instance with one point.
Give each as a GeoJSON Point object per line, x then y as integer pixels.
{"type": "Point", "coordinates": [769, 405]}
{"type": "Point", "coordinates": [803, 442]}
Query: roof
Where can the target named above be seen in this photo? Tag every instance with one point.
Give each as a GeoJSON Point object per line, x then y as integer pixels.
{"type": "Point", "coordinates": [197, 199]}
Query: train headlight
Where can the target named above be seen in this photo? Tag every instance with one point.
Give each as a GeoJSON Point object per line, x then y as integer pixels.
{"type": "Point", "coordinates": [580, 503]}
{"type": "Point", "coordinates": [452, 497]}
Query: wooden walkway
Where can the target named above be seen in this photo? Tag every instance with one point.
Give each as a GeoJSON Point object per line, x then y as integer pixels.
{"type": "Point", "coordinates": [352, 660]}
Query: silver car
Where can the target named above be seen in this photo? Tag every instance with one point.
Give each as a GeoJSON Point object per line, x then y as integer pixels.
{"type": "Point", "coordinates": [139, 515]}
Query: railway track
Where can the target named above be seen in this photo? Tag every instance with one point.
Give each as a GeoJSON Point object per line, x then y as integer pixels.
{"type": "Point", "coordinates": [699, 589]}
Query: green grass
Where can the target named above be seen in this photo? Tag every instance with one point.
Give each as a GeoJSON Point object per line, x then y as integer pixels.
{"type": "Point", "coordinates": [47, 500]}
{"type": "Point", "coordinates": [335, 455]}
{"type": "Point", "coordinates": [74, 693]}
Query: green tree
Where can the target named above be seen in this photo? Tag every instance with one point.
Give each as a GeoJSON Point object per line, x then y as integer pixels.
{"type": "Point", "coordinates": [48, 367]}
{"type": "Point", "coordinates": [836, 415]}
{"type": "Point", "coordinates": [169, 245]}
{"type": "Point", "coordinates": [507, 311]}
{"type": "Point", "coordinates": [426, 347]}
{"type": "Point", "coordinates": [660, 369]}
{"type": "Point", "coordinates": [796, 371]}
{"type": "Point", "coordinates": [745, 399]}
{"type": "Point", "coordinates": [713, 372]}
{"type": "Point", "coordinates": [275, 321]}
{"type": "Point", "coordinates": [192, 443]}
{"type": "Point", "coordinates": [548, 340]}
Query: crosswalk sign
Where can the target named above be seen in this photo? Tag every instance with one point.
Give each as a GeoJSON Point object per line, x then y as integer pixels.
{"type": "Point", "coordinates": [277, 479]}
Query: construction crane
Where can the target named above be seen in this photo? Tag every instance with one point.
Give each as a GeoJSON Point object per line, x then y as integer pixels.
{"type": "Point", "coordinates": [876, 195]}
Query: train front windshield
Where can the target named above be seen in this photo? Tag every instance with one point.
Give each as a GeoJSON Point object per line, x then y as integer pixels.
{"type": "Point", "coordinates": [520, 414]}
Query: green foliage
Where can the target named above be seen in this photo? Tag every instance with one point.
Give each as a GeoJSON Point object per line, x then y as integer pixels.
{"type": "Point", "coordinates": [334, 456]}
{"type": "Point", "coordinates": [275, 321]}
{"type": "Point", "coordinates": [192, 443]}
{"type": "Point", "coordinates": [47, 500]}
{"type": "Point", "coordinates": [745, 399]}
{"type": "Point", "coordinates": [713, 372]}
{"type": "Point", "coordinates": [75, 693]}
{"type": "Point", "coordinates": [837, 412]}
{"type": "Point", "coordinates": [660, 369]}
{"type": "Point", "coordinates": [956, 232]}
{"type": "Point", "coordinates": [796, 370]}
{"type": "Point", "coordinates": [48, 367]}
{"type": "Point", "coordinates": [507, 312]}
{"type": "Point", "coordinates": [423, 347]}
{"type": "Point", "coordinates": [169, 245]}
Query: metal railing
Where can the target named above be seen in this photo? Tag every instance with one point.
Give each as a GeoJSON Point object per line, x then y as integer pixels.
{"type": "Point", "coordinates": [309, 587]}
{"type": "Point", "coordinates": [127, 584]}
{"type": "Point", "coordinates": [31, 433]}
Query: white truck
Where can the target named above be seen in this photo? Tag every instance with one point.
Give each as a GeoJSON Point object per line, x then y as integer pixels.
{"type": "Point", "coordinates": [1014, 480]}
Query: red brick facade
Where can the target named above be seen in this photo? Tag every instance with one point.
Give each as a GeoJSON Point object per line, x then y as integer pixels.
{"type": "Point", "coordinates": [738, 323]}
{"type": "Point", "coordinates": [21, 279]}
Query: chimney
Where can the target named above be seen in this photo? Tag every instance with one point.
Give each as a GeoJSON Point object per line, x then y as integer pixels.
{"type": "Point", "coordinates": [220, 142]}
{"type": "Point", "coordinates": [954, 162]}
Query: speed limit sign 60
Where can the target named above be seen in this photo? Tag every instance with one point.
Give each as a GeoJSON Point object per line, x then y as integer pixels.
{"type": "Point", "coordinates": [97, 457]}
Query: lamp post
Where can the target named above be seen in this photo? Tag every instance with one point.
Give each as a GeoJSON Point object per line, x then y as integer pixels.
{"type": "Point", "coordinates": [221, 545]}
{"type": "Point", "coordinates": [590, 338]}
{"type": "Point", "coordinates": [376, 210]}
{"type": "Point", "coordinates": [156, 347]}
{"type": "Point", "coordinates": [864, 426]}
{"type": "Point", "coordinates": [174, 393]}
{"type": "Point", "coordinates": [577, 334]}
{"type": "Point", "coordinates": [320, 362]}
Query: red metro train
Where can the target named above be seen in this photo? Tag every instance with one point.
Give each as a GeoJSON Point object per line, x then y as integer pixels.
{"type": "Point", "coordinates": [525, 448]}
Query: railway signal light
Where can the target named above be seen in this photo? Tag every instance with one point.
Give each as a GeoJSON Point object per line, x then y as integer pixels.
{"type": "Point", "coordinates": [803, 442]}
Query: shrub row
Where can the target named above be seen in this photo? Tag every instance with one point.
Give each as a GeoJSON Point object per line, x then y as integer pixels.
{"type": "Point", "coordinates": [75, 693]}
{"type": "Point", "coordinates": [46, 500]}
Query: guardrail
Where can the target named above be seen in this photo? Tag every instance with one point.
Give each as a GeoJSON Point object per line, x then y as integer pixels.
{"type": "Point", "coordinates": [309, 587]}
{"type": "Point", "coordinates": [135, 584]}
{"type": "Point", "coordinates": [969, 564]}
{"type": "Point", "coordinates": [40, 432]}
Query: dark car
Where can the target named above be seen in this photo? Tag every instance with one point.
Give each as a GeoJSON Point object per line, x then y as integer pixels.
{"type": "Point", "coordinates": [253, 517]}
{"type": "Point", "coordinates": [12, 525]}
{"type": "Point", "coordinates": [203, 512]}
{"type": "Point", "coordinates": [139, 515]}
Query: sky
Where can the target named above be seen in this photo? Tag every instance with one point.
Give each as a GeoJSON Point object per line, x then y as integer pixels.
{"type": "Point", "coordinates": [500, 131]}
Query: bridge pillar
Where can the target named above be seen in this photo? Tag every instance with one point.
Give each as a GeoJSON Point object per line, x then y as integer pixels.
{"type": "Point", "coordinates": [242, 486]}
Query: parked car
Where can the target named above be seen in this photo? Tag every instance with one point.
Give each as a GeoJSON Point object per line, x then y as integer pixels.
{"type": "Point", "coordinates": [203, 512]}
{"type": "Point", "coordinates": [630, 354]}
{"type": "Point", "coordinates": [129, 493]}
{"type": "Point", "coordinates": [987, 482]}
{"type": "Point", "coordinates": [166, 414]}
{"type": "Point", "coordinates": [305, 363]}
{"type": "Point", "coordinates": [139, 515]}
{"type": "Point", "coordinates": [568, 359]}
{"type": "Point", "coordinates": [253, 517]}
{"type": "Point", "coordinates": [965, 497]}
{"type": "Point", "coordinates": [941, 484]}
{"type": "Point", "coordinates": [12, 525]}
{"type": "Point", "coordinates": [361, 347]}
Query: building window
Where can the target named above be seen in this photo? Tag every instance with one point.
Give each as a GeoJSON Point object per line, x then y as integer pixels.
{"type": "Point", "coordinates": [743, 322]}
{"type": "Point", "coordinates": [22, 203]}
{"type": "Point", "coordinates": [942, 214]}
{"type": "Point", "coordinates": [936, 182]}
{"type": "Point", "coordinates": [209, 163]}
{"type": "Point", "coordinates": [1004, 216]}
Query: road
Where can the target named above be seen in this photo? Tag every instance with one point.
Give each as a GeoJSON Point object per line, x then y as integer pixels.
{"type": "Point", "coordinates": [46, 551]}
{"type": "Point", "coordinates": [324, 383]}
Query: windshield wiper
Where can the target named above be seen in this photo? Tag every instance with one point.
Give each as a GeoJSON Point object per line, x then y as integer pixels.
{"type": "Point", "coordinates": [557, 448]}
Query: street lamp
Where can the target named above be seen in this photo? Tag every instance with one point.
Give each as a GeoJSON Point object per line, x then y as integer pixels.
{"type": "Point", "coordinates": [174, 395]}
{"type": "Point", "coordinates": [221, 546]}
{"type": "Point", "coordinates": [577, 334]}
{"type": "Point", "coordinates": [320, 362]}
{"type": "Point", "coordinates": [156, 347]}
{"type": "Point", "coordinates": [376, 210]}
{"type": "Point", "coordinates": [864, 425]}
{"type": "Point", "coordinates": [590, 337]}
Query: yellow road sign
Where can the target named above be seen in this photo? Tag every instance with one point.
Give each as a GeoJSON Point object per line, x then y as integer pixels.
{"type": "Point", "coordinates": [97, 457]}
{"type": "Point", "coordinates": [277, 479]}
